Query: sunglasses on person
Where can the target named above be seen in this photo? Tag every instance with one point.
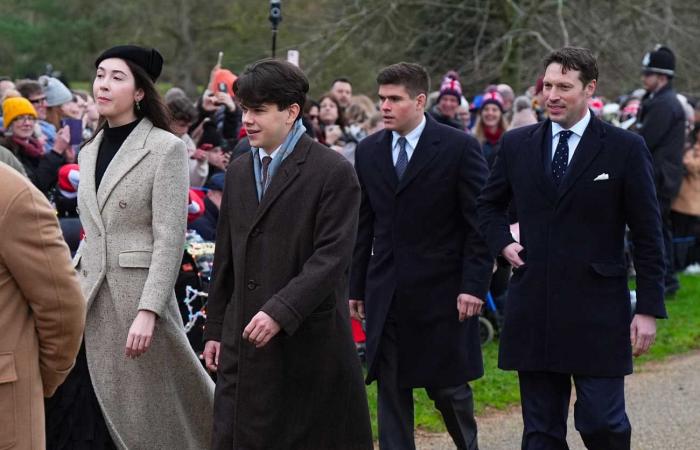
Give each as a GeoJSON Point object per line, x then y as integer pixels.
{"type": "Point", "coordinates": [36, 101]}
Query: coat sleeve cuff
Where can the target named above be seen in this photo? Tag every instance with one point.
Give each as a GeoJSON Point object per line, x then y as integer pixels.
{"type": "Point", "coordinates": [286, 316]}
{"type": "Point", "coordinates": [212, 331]}
{"type": "Point", "coordinates": [501, 243]}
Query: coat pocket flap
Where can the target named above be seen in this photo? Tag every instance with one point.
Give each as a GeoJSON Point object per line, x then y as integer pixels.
{"type": "Point", "coordinates": [8, 374]}
{"type": "Point", "coordinates": [609, 269]}
{"type": "Point", "coordinates": [135, 258]}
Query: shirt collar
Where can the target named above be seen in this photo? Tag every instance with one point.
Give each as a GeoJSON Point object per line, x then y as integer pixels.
{"type": "Point", "coordinates": [578, 128]}
{"type": "Point", "coordinates": [263, 153]}
{"type": "Point", "coordinates": [412, 136]}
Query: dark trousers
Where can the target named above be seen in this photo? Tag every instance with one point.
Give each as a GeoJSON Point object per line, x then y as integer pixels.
{"type": "Point", "coordinates": [395, 404]}
{"type": "Point", "coordinates": [671, 283]}
{"type": "Point", "coordinates": [599, 411]}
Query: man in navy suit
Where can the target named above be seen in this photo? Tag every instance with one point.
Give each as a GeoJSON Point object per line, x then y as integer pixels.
{"type": "Point", "coordinates": [420, 268]}
{"type": "Point", "coordinates": [577, 182]}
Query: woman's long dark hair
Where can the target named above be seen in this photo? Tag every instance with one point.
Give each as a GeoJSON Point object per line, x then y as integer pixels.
{"type": "Point", "coordinates": [341, 117]}
{"type": "Point", "coordinates": [151, 105]}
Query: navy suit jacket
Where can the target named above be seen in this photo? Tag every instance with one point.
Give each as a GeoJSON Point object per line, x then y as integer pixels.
{"type": "Point", "coordinates": [418, 247]}
{"type": "Point", "coordinates": [568, 307]}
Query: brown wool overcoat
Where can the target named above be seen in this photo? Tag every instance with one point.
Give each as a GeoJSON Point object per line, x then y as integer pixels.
{"type": "Point", "coordinates": [42, 311]}
{"type": "Point", "coordinates": [288, 256]}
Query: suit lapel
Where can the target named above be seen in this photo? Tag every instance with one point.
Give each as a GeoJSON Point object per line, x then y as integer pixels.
{"type": "Point", "coordinates": [384, 160]}
{"type": "Point", "coordinates": [538, 147]}
{"type": "Point", "coordinates": [130, 153]}
{"type": "Point", "coordinates": [285, 175]}
{"type": "Point", "coordinates": [586, 151]}
{"type": "Point", "coordinates": [426, 149]}
{"type": "Point", "coordinates": [88, 162]}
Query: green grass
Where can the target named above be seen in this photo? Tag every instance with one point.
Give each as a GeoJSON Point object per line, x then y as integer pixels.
{"type": "Point", "coordinates": [499, 389]}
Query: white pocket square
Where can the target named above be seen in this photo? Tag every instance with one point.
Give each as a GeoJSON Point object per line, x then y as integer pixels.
{"type": "Point", "coordinates": [601, 177]}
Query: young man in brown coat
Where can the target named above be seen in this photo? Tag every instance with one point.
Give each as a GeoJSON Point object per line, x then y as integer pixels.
{"type": "Point", "coordinates": [42, 314]}
{"type": "Point", "coordinates": [278, 328]}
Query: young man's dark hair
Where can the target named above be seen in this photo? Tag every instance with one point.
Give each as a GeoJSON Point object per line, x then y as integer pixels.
{"type": "Point", "coordinates": [181, 108]}
{"type": "Point", "coordinates": [575, 58]}
{"type": "Point", "coordinates": [272, 81]}
{"type": "Point", "coordinates": [341, 80]}
{"type": "Point", "coordinates": [410, 75]}
{"type": "Point", "coordinates": [29, 88]}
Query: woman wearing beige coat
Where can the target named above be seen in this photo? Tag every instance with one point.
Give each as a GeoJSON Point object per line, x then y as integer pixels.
{"type": "Point", "coordinates": [152, 390]}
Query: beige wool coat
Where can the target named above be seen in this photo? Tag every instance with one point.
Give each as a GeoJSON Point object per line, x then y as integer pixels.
{"type": "Point", "coordinates": [42, 311]}
{"type": "Point", "coordinates": [134, 238]}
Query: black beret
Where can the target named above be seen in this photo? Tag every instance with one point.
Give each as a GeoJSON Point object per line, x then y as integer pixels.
{"type": "Point", "coordinates": [149, 59]}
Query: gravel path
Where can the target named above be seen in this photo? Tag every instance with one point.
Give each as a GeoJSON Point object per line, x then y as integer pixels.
{"type": "Point", "coordinates": [663, 403]}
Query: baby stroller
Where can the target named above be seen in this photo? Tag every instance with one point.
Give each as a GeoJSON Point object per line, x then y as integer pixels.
{"type": "Point", "coordinates": [491, 318]}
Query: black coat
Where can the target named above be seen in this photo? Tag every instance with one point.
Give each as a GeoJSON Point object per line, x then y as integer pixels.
{"type": "Point", "coordinates": [418, 245]}
{"type": "Point", "coordinates": [662, 125]}
{"type": "Point", "coordinates": [568, 307]}
{"type": "Point", "coordinates": [288, 256]}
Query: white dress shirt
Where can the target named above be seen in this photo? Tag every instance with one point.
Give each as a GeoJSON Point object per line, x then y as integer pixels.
{"type": "Point", "coordinates": [575, 138]}
{"type": "Point", "coordinates": [412, 138]}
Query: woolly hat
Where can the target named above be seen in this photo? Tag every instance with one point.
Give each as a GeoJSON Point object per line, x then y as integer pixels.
{"type": "Point", "coordinates": [451, 86]}
{"type": "Point", "coordinates": [68, 180]}
{"type": "Point", "coordinates": [14, 107]}
{"type": "Point", "coordinates": [216, 182]}
{"type": "Point", "coordinates": [596, 105]}
{"type": "Point", "coordinates": [223, 76]}
{"type": "Point", "coordinates": [149, 59]}
{"type": "Point", "coordinates": [195, 206]}
{"type": "Point", "coordinates": [492, 97]}
{"type": "Point", "coordinates": [661, 60]}
{"type": "Point", "coordinates": [56, 92]}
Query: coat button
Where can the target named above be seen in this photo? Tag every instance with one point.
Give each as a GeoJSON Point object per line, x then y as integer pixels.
{"type": "Point", "coordinates": [252, 285]}
{"type": "Point", "coordinates": [84, 272]}
{"type": "Point", "coordinates": [122, 204]}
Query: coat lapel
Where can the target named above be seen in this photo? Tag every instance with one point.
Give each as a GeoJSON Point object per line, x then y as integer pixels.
{"type": "Point", "coordinates": [537, 146]}
{"type": "Point", "coordinates": [586, 151]}
{"type": "Point", "coordinates": [288, 172]}
{"type": "Point", "coordinates": [130, 153]}
{"type": "Point", "coordinates": [88, 162]}
{"type": "Point", "coordinates": [384, 160]}
{"type": "Point", "coordinates": [246, 190]}
{"type": "Point", "coordinates": [426, 149]}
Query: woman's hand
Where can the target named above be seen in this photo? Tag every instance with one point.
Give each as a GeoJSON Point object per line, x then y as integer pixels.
{"type": "Point", "coordinates": [62, 141]}
{"type": "Point", "coordinates": [140, 333]}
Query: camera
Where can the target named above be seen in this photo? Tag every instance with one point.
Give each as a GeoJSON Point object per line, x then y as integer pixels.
{"type": "Point", "coordinates": [275, 12]}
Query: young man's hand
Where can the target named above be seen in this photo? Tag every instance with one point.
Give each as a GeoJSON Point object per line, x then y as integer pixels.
{"type": "Point", "coordinates": [261, 329]}
{"type": "Point", "coordinates": [212, 350]}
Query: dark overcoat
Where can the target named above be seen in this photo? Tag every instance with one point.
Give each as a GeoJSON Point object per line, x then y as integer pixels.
{"type": "Point", "coordinates": [288, 256]}
{"type": "Point", "coordinates": [662, 125]}
{"type": "Point", "coordinates": [418, 248]}
{"type": "Point", "coordinates": [568, 307]}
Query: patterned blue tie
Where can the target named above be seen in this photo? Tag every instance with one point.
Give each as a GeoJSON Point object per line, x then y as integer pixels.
{"type": "Point", "coordinates": [561, 157]}
{"type": "Point", "coordinates": [402, 160]}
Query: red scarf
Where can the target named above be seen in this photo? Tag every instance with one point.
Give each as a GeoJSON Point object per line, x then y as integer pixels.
{"type": "Point", "coordinates": [493, 136]}
{"type": "Point", "coordinates": [30, 147]}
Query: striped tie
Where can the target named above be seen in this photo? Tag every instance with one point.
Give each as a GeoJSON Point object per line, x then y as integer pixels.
{"type": "Point", "coordinates": [402, 160]}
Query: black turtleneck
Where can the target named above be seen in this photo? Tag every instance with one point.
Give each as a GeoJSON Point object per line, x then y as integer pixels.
{"type": "Point", "coordinates": [112, 140]}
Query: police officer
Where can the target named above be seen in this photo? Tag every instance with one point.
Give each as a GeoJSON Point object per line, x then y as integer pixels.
{"type": "Point", "coordinates": [661, 122]}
